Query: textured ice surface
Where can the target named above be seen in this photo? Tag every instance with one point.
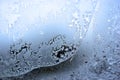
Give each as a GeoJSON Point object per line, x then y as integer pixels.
{"type": "Point", "coordinates": [97, 58]}
{"type": "Point", "coordinates": [41, 33]}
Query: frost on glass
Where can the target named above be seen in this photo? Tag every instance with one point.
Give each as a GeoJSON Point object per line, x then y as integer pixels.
{"type": "Point", "coordinates": [106, 48]}
{"type": "Point", "coordinates": [39, 33]}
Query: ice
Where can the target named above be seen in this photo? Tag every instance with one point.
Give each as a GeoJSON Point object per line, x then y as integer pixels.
{"type": "Point", "coordinates": [40, 33]}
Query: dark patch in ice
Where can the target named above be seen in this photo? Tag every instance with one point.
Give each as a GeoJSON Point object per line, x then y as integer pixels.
{"type": "Point", "coordinates": [15, 51]}
{"type": "Point", "coordinates": [86, 61]}
{"type": "Point", "coordinates": [63, 51]}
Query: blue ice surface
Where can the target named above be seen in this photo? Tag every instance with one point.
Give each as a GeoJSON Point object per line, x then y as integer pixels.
{"type": "Point", "coordinates": [99, 55]}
